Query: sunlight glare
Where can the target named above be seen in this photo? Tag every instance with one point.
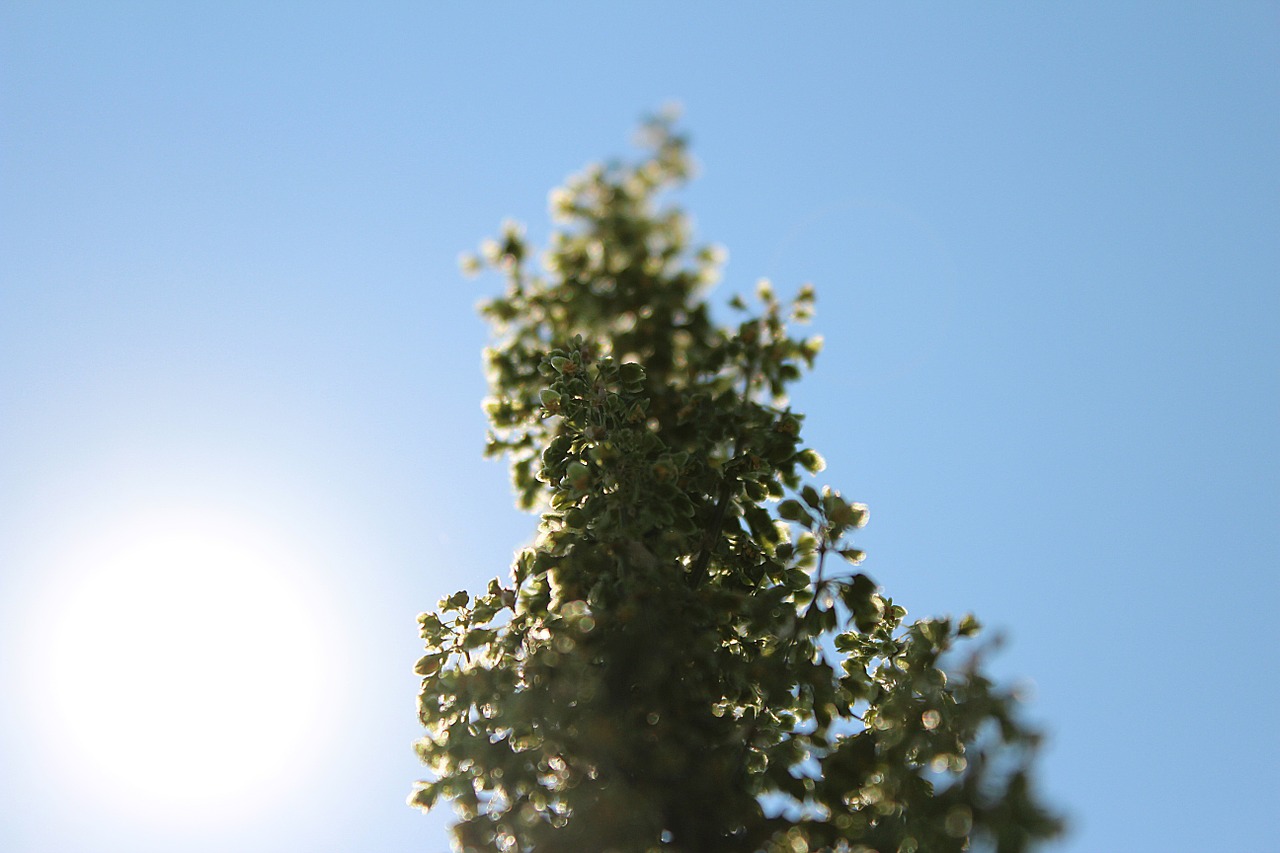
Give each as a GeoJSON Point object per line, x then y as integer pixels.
{"type": "Point", "coordinates": [185, 663]}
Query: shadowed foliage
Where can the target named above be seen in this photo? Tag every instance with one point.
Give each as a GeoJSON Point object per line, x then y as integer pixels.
{"type": "Point", "coordinates": [687, 657]}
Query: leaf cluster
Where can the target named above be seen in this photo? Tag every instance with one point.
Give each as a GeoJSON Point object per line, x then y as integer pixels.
{"type": "Point", "coordinates": [686, 658]}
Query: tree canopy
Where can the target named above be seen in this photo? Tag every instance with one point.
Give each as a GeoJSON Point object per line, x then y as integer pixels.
{"type": "Point", "coordinates": [688, 658]}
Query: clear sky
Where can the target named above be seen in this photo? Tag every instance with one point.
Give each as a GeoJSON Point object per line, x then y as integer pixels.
{"type": "Point", "coordinates": [240, 384]}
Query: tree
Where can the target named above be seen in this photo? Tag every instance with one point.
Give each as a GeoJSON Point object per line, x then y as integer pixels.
{"type": "Point", "coordinates": [686, 658]}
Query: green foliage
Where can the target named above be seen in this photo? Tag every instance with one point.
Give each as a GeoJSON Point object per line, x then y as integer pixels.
{"type": "Point", "coordinates": [685, 659]}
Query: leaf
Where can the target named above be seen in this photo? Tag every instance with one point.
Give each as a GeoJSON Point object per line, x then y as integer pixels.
{"type": "Point", "coordinates": [811, 461]}
{"type": "Point", "coordinates": [424, 795]}
{"type": "Point", "coordinates": [853, 555]}
{"type": "Point", "coordinates": [478, 637]}
{"type": "Point", "coordinates": [858, 594]}
{"type": "Point", "coordinates": [760, 524]}
{"type": "Point", "coordinates": [428, 665]}
{"type": "Point", "coordinates": [484, 611]}
{"type": "Point", "coordinates": [796, 578]}
{"type": "Point", "coordinates": [631, 373]}
{"type": "Point", "coordinates": [792, 510]}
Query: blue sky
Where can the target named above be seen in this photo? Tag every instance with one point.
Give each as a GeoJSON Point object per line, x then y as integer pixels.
{"type": "Point", "coordinates": [1044, 241]}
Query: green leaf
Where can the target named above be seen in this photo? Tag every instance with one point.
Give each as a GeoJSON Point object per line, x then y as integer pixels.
{"type": "Point", "coordinates": [550, 399]}
{"type": "Point", "coordinates": [478, 637]}
{"type": "Point", "coordinates": [858, 594]}
{"type": "Point", "coordinates": [792, 510]}
{"type": "Point", "coordinates": [797, 578]}
{"type": "Point", "coordinates": [428, 665]}
{"type": "Point", "coordinates": [483, 611]}
{"type": "Point", "coordinates": [631, 373]}
{"type": "Point", "coordinates": [811, 461]}
{"type": "Point", "coordinates": [424, 795]}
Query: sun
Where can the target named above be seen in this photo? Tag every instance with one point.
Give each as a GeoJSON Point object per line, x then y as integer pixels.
{"type": "Point", "coordinates": [186, 662]}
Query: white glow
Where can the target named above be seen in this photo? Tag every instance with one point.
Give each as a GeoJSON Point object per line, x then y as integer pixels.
{"type": "Point", "coordinates": [185, 662]}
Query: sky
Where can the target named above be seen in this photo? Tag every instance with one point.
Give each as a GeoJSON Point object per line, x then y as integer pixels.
{"type": "Point", "coordinates": [240, 375]}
